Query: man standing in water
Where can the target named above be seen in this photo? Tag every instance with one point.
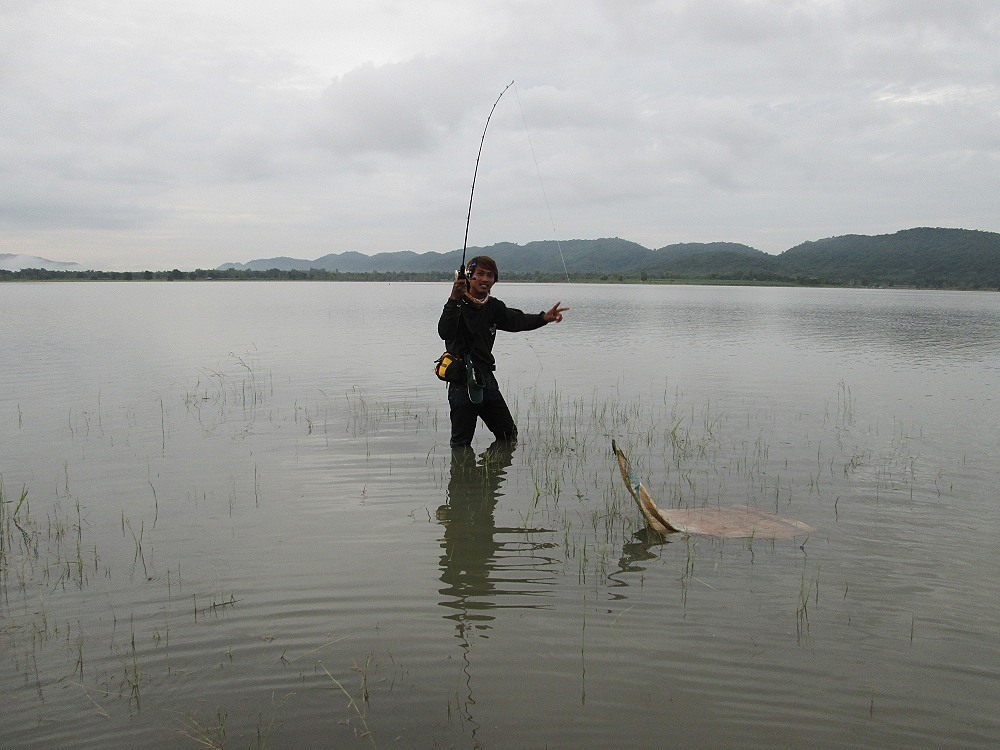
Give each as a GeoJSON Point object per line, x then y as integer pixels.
{"type": "Point", "coordinates": [468, 325]}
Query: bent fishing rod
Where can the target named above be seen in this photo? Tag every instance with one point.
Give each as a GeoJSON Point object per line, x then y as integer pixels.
{"type": "Point", "coordinates": [468, 218]}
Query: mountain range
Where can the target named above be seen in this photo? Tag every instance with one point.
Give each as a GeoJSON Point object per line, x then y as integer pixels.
{"type": "Point", "coordinates": [922, 257]}
{"type": "Point", "coordinates": [17, 262]}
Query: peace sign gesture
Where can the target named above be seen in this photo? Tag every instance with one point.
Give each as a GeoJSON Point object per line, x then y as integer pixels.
{"type": "Point", "coordinates": [554, 314]}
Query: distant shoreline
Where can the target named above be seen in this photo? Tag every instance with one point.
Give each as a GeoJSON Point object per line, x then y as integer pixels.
{"type": "Point", "coordinates": [29, 275]}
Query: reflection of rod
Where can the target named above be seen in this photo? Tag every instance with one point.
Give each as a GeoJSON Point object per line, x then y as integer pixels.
{"type": "Point", "coordinates": [469, 701]}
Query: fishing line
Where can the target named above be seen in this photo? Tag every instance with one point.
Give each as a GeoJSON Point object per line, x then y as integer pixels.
{"type": "Point", "coordinates": [540, 182]}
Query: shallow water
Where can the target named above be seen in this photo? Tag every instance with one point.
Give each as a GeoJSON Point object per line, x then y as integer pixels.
{"type": "Point", "coordinates": [243, 518]}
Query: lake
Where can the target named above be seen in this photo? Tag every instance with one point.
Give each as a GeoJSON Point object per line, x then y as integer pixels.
{"type": "Point", "coordinates": [231, 517]}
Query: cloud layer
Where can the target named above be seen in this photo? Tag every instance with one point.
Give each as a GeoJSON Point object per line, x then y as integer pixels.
{"type": "Point", "coordinates": [151, 135]}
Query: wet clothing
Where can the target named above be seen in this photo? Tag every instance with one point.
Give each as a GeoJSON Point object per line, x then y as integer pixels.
{"type": "Point", "coordinates": [493, 411]}
{"type": "Point", "coordinates": [468, 328]}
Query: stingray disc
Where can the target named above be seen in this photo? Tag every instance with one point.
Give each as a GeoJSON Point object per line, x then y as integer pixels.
{"type": "Point", "coordinates": [727, 523]}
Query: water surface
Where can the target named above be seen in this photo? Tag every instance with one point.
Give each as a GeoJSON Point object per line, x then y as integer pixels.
{"type": "Point", "coordinates": [242, 517]}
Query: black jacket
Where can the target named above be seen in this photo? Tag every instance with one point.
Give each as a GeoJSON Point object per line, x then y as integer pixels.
{"type": "Point", "coordinates": [468, 328]}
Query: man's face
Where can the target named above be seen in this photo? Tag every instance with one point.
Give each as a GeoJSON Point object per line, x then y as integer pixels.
{"type": "Point", "coordinates": [481, 282]}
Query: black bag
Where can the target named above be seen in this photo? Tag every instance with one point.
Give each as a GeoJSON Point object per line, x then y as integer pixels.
{"type": "Point", "coordinates": [450, 368]}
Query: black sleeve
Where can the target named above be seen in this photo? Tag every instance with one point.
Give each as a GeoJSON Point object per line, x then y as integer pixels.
{"type": "Point", "coordinates": [513, 320]}
{"type": "Point", "coordinates": [449, 321]}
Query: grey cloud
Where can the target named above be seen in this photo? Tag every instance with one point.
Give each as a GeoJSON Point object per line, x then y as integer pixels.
{"type": "Point", "coordinates": [223, 126]}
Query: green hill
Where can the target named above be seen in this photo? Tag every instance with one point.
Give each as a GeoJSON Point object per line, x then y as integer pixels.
{"type": "Point", "coordinates": [936, 258]}
{"type": "Point", "coordinates": [922, 257]}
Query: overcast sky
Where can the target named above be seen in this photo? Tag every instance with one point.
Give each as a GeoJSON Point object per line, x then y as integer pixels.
{"type": "Point", "coordinates": [148, 134]}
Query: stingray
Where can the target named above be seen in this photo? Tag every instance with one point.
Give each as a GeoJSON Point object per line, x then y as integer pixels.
{"type": "Point", "coordinates": [727, 523]}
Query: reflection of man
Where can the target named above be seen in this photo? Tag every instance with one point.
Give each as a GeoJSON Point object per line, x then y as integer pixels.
{"type": "Point", "coordinates": [480, 562]}
{"type": "Point", "coordinates": [470, 550]}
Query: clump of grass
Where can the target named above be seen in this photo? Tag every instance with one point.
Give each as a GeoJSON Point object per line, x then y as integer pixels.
{"type": "Point", "coordinates": [808, 589]}
{"type": "Point", "coordinates": [214, 607]}
{"type": "Point", "coordinates": [217, 733]}
{"type": "Point", "coordinates": [207, 735]}
{"type": "Point", "coordinates": [352, 702]}
{"type": "Point", "coordinates": [7, 518]}
{"type": "Point", "coordinates": [133, 674]}
{"type": "Point", "coordinates": [368, 416]}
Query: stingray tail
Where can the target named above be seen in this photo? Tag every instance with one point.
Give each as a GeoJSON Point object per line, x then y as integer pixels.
{"type": "Point", "coordinates": [655, 519]}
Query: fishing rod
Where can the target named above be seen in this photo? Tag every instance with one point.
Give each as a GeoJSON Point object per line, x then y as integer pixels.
{"type": "Point", "coordinates": [468, 218]}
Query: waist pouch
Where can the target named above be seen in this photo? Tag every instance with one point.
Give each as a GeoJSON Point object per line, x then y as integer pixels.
{"type": "Point", "coordinates": [453, 369]}
{"type": "Point", "coordinates": [450, 368]}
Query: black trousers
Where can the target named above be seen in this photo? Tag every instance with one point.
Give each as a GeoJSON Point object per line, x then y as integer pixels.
{"type": "Point", "coordinates": [493, 411]}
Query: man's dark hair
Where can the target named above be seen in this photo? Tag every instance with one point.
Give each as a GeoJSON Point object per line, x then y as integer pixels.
{"type": "Point", "coordinates": [483, 261]}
